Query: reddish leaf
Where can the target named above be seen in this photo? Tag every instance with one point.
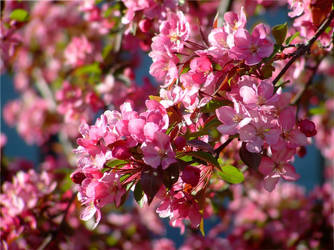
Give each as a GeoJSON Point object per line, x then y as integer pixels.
{"type": "Point", "coordinates": [252, 160]}
{"type": "Point", "coordinates": [151, 181]}
{"type": "Point", "coordinates": [320, 10]}
{"type": "Point", "coordinates": [171, 175]}
{"type": "Point", "coordinates": [201, 145]}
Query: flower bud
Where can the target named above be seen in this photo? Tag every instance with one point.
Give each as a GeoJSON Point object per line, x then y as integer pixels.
{"type": "Point", "coordinates": [78, 177]}
{"type": "Point", "coordinates": [191, 175]}
{"type": "Point", "coordinates": [145, 25]}
{"type": "Point", "coordinates": [307, 127]}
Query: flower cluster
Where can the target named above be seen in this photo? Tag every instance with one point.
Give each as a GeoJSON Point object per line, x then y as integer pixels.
{"type": "Point", "coordinates": [21, 200]}
{"type": "Point", "coordinates": [288, 217]}
{"type": "Point", "coordinates": [232, 107]}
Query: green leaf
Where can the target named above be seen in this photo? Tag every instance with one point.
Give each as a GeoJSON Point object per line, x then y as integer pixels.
{"type": "Point", "coordinates": [231, 174]}
{"type": "Point", "coordinates": [204, 156]}
{"type": "Point", "coordinates": [89, 69]}
{"type": "Point", "coordinates": [19, 15]}
{"type": "Point", "coordinates": [279, 32]}
{"type": "Point", "coordinates": [138, 193]}
{"type": "Point", "coordinates": [318, 110]}
{"type": "Point", "coordinates": [185, 69]}
{"type": "Point", "coordinates": [115, 163]}
{"type": "Point", "coordinates": [291, 38]}
{"type": "Point", "coordinates": [201, 227]}
{"type": "Point", "coordinates": [212, 105]}
{"type": "Point", "coordinates": [186, 158]}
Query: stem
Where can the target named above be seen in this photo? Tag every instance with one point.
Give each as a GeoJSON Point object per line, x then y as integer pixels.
{"type": "Point", "coordinates": [305, 47]}
{"type": "Point", "coordinates": [44, 89]}
{"type": "Point", "coordinates": [224, 145]}
{"type": "Point", "coordinates": [297, 98]}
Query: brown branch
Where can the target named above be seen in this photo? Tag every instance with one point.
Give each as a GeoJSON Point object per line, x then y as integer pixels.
{"type": "Point", "coordinates": [224, 145]}
{"type": "Point", "coordinates": [297, 98]}
{"type": "Point", "coordinates": [305, 47]}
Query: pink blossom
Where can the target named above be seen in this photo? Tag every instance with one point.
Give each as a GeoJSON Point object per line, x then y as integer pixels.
{"type": "Point", "coordinates": [159, 151]}
{"type": "Point", "coordinates": [200, 68]}
{"type": "Point", "coordinates": [252, 47]}
{"type": "Point", "coordinates": [297, 7]}
{"type": "Point", "coordinates": [232, 118]}
{"type": "Point", "coordinates": [261, 94]}
{"type": "Point", "coordinates": [292, 136]}
{"type": "Point", "coordinates": [234, 21]}
{"type": "Point", "coordinates": [257, 133]}
{"type": "Point", "coordinates": [176, 28]}
{"type": "Point", "coordinates": [164, 67]}
{"type": "Point", "coordinates": [277, 166]}
{"type": "Point", "coordinates": [96, 193]}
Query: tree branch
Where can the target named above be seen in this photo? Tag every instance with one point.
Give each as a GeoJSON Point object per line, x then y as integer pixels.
{"type": "Point", "coordinates": [224, 145]}
{"type": "Point", "coordinates": [305, 47]}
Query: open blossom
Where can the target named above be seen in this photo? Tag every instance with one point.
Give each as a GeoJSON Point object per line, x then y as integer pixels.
{"type": "Point", "coordinates": [200, 68]}
{"type": "Point", "coordinates": [277, 166]}
{"type": "Point", "coordinates": [233, 23]}
{"type": "Point", "coordinates": [257, 95]}
{"type": "Point", "coordinates": [164, 67]}
{"type": "Point", "coordinates": [252, 47]}
{"type": "Point", "coordinates": [259, 132]}
{"type": "Point", "coordinates": [233, 119]}
{"type": "Point", "coordinates": [290, 133]}
{"type": "Point", "coordinates": [97, 192]}
{"type": "Point", "coordinates": [176, 28]}
{"type": "Point", "coordinates": [159, 151]}
{"type": "Point", "coordinates": [179, 206]}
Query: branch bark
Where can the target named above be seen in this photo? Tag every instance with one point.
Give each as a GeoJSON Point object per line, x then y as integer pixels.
{"type": "Point", "coordinates": [305, 47]}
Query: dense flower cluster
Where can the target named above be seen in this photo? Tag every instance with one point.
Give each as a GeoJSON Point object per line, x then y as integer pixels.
{"type": "Point", "coordinates": [232, 107]}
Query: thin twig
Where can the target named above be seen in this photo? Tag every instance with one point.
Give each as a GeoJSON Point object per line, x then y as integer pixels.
{"type": "Point", "coordinates": [298, 97]}
{"type": "Point", "coordinates": [305, 47]}
{"type": "Point", "coordinates": [221, 147]}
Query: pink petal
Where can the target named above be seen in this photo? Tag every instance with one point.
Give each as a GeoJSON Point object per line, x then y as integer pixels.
{"type": "Point", "coordinates": [225, 114]}
{"type": "Point", "coordinates": [297, 138]}
{"type": "Point", "coordinates": [290, 173]}
{"type": "Point", "coordinates": [266, 165]}
{"type": "Point", "coordinates": [230, 129]}
{"type": "Point", "coordinates": [266, 89]}
{"type": "Point", "coordinates": [247, 133]}
{"type": "Point", "coordinates": [270, 182]}
{"type": "Point", "coordinates": [248, 94]}
{"type": "Point", "coordinates": [287, 118]}
{"type": "Point", "coordinates": [136, 128]}
{"type": "Point", "coordinates": [261, 31]}
{"type": "Point", "coordinates": [88, 212]}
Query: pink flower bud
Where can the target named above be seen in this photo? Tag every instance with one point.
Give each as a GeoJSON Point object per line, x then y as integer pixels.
{"type": "Point", "coordinates": [191, 175]}
{"type": "Point", "coordinates": [180, 142]}
{"type": "Point", "coordinates": [77, 177]}
{"type": "Point", "coordinates": [301, 151]}
{"type": "Point", "coordinates": [307, 127]}
{"type": "Point", "coordinates": [145, 25]}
